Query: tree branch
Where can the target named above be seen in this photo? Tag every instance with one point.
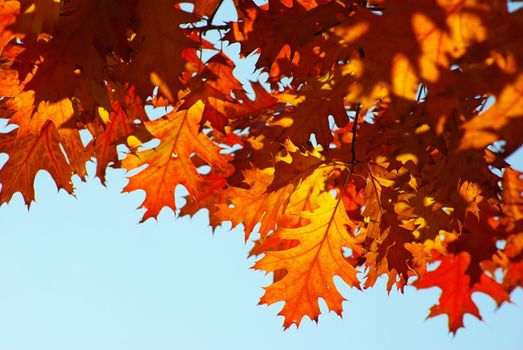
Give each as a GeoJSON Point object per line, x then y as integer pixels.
{"type": "Point", "coordinates": [353, 144]}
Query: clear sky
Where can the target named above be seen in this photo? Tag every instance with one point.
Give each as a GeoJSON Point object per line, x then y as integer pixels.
{"type": "Point", "coordinates": [81, 273]}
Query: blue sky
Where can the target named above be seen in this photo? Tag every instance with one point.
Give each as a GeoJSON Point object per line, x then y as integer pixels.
{"type": "Point", "coordinates": [81, 273]}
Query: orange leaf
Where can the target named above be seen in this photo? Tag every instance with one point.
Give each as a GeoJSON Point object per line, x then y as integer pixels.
{"type": "Point", "coordinates": [169, 164]}
{"type": "Point", "coordinates": [312, 264]}
{"type": "Point", "coordinates": [455, 300]}
{"type": "Point", "coordinates": [253, 205]}
{"type": "Point", "coordinates": [29, 154]}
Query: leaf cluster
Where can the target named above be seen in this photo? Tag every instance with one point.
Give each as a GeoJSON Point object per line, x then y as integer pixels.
{"type": "Point", "coordinates": [377, 147]}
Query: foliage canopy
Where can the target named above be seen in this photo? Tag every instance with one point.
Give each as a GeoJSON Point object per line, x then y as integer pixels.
{"type": "Point", "coordinates": [377, 147]}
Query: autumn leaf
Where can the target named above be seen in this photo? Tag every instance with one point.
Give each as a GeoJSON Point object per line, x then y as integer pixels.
{"type": "Point", "coordinates": [158, 46]}
{"type": "Point", "coordinates": [169, 164]}
{"type": "Point", "coordinates": [513, 200]}
{"type": "Point", "coordinates": [277, 26]}
{"type": "Point", "coordinates": [114, 127]}
{"type": "Point", "coordinates": [312, 264]}
{"type": "Point", "coordinates": [255, 204]}
{"type": "Point", "coordinates": [500, 121]}
{"type": "Point", "coordinates": [300, 166]}
{"type": "Point", "coordinates": [455, 299]}
{"type": "Point", "coordinates": [8, 12]}
{"type": "Point", "coordinates": [37, 16]}
{"type": "Point", "coordinates": [75, 53]}
{"type": "Point", "coordinates": [206, 7]}
{"type": "Point", "coordinates": [27, 155]}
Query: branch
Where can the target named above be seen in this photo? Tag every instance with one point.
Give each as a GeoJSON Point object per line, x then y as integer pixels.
{"type": "Point", "coordinates": [212, 27]}
{"type": "Point", "coordinates": [211, 18]}
{"type": "Point", "coordinates": [353, 145]}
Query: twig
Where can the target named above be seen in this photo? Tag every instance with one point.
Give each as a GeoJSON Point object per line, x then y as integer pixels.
{"type": "Point", "coordinates": [353, 144]}
{"type": "Point", "coordinates": [212, 27]}
{"type": "Point", "coordinates": [211, 18]}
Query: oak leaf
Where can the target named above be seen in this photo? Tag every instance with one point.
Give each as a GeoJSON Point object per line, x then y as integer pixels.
{"type": "Point", "coordinates": [159, 48]}
{"type": "Point", "coordinates": [29, 154]}
{"type": "Point", "coordinates": [255, 204]}
{"type": "Point", "coordinates": [169, 164]}
{"type": "Point", "coordinates": [455, 300]}
{"type": "Point", "coordinates": [312, 264]}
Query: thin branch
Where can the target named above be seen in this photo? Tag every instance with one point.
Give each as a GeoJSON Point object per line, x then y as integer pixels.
{"type": "Point", "coordinates": [420, 92]}
{"type": "Point", "coordinates": [211, 18]}
{"type": "Point", "coordinates": [353, 145]}
{"type": "Point", "coordinates": [209, 26]}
